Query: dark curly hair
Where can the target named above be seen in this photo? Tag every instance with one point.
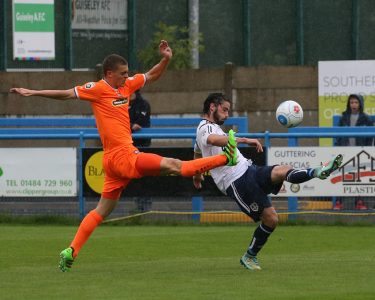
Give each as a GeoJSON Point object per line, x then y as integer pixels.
{"type": "Point", "coordinates": [217, 98]}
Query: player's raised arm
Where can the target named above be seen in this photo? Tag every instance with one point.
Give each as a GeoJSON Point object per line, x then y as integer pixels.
{"type": "Point", "coordinates": [54, 94]}
{"type": "Point", "coordinates": [250, 142]}
{"type": "Point", "coordinates": [222, 140]}
{"type": "Point", "coordinates": [156, 71]}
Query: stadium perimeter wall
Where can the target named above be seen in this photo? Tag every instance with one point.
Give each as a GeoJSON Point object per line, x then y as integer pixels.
{"type": "Point", "coordinates": [256, 92]}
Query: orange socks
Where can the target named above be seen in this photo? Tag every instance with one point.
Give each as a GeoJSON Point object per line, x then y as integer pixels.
{"type": "Point", "coordinates": [201, 165]}
{"type": "Point", "coordinates": [88, 225]}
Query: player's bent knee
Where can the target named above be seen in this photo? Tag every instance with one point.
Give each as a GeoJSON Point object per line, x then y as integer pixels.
{"type": "Point", "coordinates": [170, 166]}
{"type": "Point", "coordinates": [271, 221]}
{"type": "Point", "coordinates": [270, 218]}
{"type": "Point", "coordinates": [105, 206]}
{"type": "Point", "coordinates": [279, 173]}
{"type": "Point", "coordinates": [274, 220]}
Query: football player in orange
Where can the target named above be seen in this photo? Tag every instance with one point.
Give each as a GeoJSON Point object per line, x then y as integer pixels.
{"type": "Point", "coordinates": [109, 99]}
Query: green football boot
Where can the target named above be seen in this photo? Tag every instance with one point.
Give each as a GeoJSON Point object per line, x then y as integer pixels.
{"type": "Point", "coordinates": [66, 259]}
{"type": "Point", "coordinates": [250, 262]}
{"type": "Point", "coordinates": [230, 150]}
{"type": "Point", "coordinates": [324, 171]}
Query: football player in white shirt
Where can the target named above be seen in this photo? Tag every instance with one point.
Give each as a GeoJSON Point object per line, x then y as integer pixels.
{"type": "Point", "coordinates": [246, 183]}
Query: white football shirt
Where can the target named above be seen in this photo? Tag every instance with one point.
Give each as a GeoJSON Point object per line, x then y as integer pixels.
{"type": "Point", "coordinates": [223, 176]}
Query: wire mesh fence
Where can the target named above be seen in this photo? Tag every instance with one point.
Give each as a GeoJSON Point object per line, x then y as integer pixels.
{"type": "Point", "coordinates": [84, 33]}
{"type": "Point", "coordinates": [171, 210]}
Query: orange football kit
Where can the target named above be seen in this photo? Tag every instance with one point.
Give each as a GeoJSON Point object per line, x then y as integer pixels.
{"type": "Point", "coordinates": [122, 161]}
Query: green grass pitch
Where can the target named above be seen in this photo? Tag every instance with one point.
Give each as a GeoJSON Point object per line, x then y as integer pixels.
{"type": "Point", "coordinates": [188, 262]}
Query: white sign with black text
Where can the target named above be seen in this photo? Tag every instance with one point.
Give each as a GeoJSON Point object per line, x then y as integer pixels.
{"type": "Point", "coordinates": [33, 29]}
{"type": "Point", "coordinates": [356, 176]}
{"type": "Point", "coordinates": [38, 172]}
{"type": "Point", "coordinates": [100, 15]}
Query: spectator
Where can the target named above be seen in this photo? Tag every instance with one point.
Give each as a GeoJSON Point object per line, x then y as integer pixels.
{"type": "Point", "coordinates": [354, 116]}
{"type": "Point", "coordinates": [139, 113]}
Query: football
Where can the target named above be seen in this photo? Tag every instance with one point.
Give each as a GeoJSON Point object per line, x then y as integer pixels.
{"type": "Point", "coordinates": [289, 113]}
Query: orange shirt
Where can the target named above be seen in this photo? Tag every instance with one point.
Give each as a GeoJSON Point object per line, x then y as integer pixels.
{"type": "Point", "coordinates": [110, 107]}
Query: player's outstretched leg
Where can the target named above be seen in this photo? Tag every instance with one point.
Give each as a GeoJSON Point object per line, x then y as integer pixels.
{"type": "Point", "coordinates": [230, 150]}
{"type": "Point", "coordinates": [250, 262]}
{"type": "Point", "coordinates": [303, 175]}
{"type": "Point", "coordinates": [327, 169]}
{"type": "Point", "coordinates": [66, 259]}
{"type": "Point", "coordinates": [154, 165]}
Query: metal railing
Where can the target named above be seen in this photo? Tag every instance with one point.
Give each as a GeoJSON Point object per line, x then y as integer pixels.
{"type": "Point", "coordinates": [82, 136]}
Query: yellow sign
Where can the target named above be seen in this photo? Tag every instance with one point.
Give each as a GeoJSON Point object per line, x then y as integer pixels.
{"type": "Point", "coordinates": [94, 172]}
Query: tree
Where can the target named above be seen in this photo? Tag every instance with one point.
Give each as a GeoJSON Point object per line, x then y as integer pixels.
{"type": "Point", "coordinates": [178, 39]}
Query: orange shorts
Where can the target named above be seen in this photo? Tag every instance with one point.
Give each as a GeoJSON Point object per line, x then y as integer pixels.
{"type": "Point", "coordinates": [124, 164]}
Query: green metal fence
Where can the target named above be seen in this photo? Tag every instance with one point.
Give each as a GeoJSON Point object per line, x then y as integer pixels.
{"type": "Point", "coordinates": [245, 32]}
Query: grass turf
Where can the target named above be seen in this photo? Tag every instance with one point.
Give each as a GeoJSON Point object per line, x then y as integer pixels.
{"type": "Point", "coordinates": [188, 262]}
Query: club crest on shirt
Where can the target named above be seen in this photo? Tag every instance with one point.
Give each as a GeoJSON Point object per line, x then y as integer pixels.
{"type": "Point", "coordinates": [89, 85]}
{"type": "Point", "coordinates": [254, 206]}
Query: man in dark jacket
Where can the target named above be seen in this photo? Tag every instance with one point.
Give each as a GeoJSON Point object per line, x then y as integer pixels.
{"type": "Point", "coordinates": [354, 116]}
{"type": "Point", "coordinates": [139, 113]}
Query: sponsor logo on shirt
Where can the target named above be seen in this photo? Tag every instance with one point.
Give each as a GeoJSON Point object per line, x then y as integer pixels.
{"type": "Point", "coordinates": [119, 102]}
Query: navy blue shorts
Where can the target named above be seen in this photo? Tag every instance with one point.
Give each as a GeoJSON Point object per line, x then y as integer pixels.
{"type": "Point", "coordinates": [251, 190]}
